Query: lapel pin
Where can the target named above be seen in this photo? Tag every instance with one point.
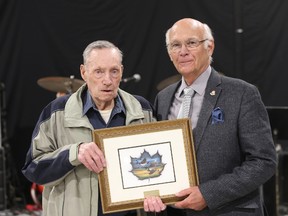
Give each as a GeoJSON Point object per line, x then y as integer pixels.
{"type": "Point", "coordinates": [212, 93]}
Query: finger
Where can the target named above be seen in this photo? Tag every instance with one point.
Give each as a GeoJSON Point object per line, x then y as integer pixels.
{"type": "Point", "coordinates": [156, 206]}
{"type": "Point", "coordinates": [184, 192]}
{"type": "Point", "coordinates": [98, 159]}
{"type": "Point", "coordinates": [90, 164]}
{"type": "Point", "coordinates": [94, 160]}
{"type": "Point", "coordinates": [161, 205]}
{"type": "Point", "coordinates": [180, 204]}
{"type": "Point", "coordinates": [86, 158]}
{"type": "Point", "coordinates": [100, 155]}
{"type": "Point", "coordinates": [146, 207]}
{"type": "Point", "coordinates": [149, 204]}
{"type": "Point", "coordinates": [86, 164]}
{"type": "Point", "coordinates": [96, 167]}
{"type": "Point", "coordinates": [92, 157]}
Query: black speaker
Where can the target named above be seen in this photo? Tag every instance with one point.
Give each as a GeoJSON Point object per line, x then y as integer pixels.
{"type": "Point", "coordinates": [282, 184]}
{"type": "Point", "coordinates": [2, 180]}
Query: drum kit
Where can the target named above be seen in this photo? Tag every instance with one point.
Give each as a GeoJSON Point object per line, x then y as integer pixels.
{"type": "Point", "coordinates": [66, 85]}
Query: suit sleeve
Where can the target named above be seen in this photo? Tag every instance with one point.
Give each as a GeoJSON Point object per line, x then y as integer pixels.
{"type": "Point", "coordinates": [256, 148]}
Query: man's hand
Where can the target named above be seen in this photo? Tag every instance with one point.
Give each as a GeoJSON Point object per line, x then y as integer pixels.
{"type": "Point", "coordinates": [91, 157]}
{"type": "Point", "coordinates": [153, 204]}
{"type": "Point", "coordinates": [194, 199]}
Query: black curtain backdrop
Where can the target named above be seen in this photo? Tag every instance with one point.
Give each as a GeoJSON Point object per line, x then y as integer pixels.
{"type": "Point", "coordinates": [40, 38]}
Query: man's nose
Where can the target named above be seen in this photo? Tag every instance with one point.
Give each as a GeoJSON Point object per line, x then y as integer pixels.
{"type": "Point", "coordinates": [184, 48]}
{"type": "Point", "coordinates": [107, 79]}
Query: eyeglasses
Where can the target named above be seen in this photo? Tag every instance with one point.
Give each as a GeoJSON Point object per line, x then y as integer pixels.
{"type": "Point", "coordinates": [189, 44]}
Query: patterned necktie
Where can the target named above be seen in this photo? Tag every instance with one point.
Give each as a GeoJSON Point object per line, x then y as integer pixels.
{"type": "Point", "coordinates": [188, 94]}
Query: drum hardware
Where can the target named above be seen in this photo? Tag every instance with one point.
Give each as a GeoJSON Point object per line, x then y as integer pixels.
{"type": "Point", "coordinates": [278, 116]}
{"type": "Point", "coordinates": [60, 84]}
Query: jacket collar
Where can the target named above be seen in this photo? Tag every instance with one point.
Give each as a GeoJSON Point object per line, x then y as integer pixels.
{"type": "Point", "coordinates": [88, 104]}
{"type": "Point", "coordinates": [132, 105]}
{"type": "Point", "coordinates": [74, 117]}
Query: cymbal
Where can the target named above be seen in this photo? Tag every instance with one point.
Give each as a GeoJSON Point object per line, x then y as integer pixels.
{"type": "Point", "coordinates": [168, 81]}
{"type": "Point", "coordinates": [60, 84]}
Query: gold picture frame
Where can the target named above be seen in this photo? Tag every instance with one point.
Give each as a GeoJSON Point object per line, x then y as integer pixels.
{"type": "Point", "coordinates": [155, 158]}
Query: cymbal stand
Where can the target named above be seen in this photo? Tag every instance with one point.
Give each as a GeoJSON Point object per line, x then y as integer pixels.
{"type": "Point", "coordinates": [69, 84]}
{"type": "Point", "coordinates": [281, 209]}
{"type": "Point", "coordinates": [3, 200]}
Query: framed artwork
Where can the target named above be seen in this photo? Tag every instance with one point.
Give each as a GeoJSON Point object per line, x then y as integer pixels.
{"type": "Point", "coordinates": [152, 159]}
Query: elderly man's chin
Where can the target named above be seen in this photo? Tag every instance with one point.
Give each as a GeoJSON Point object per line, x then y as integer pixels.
{"type": "Point", "coordinates": [108, 96]}
{"type": "Point", "coordinates": [186, 71]}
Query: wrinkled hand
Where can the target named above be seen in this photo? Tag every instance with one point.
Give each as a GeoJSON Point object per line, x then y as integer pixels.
{"type": "Point", "coordinates": [91, 157]}
{"type": "Point", "coordinates": [194, 199]}
{"type": "Point", "coordinates": [153, 204]}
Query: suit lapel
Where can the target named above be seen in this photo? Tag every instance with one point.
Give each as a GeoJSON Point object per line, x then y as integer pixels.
{"type": "Point", "coordinates": [212, 93]}
{"type": "Point", "coordinates": [166, 103]}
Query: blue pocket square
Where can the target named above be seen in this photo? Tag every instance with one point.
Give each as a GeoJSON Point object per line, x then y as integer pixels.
{"type": "Point", "coordinates": [217, 116]}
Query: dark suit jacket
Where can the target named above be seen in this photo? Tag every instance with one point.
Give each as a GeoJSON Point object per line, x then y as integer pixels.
{"type": "Point", "coordinates": [234, 157]}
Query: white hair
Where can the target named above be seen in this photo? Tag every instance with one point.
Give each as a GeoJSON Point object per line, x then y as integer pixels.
{"type": "Point", "coordinates": [100, 44]}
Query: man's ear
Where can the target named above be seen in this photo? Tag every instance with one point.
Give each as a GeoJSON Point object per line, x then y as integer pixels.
{"type": "Point", "coordinates": [82, 72]}
{"type": "Point", "coordinates": [122, 70]}
{"type": "Point", "coordinates": [211, 47]}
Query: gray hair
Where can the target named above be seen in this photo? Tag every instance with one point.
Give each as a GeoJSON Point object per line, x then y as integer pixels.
{"type": "Point", "coordinates": [207, 33]}
{"type": "Point", "coordinates": [100, 44]}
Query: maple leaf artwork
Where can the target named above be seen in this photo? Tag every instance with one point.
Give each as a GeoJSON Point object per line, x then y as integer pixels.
{"type": "Point", "coordinates": [147, 166]}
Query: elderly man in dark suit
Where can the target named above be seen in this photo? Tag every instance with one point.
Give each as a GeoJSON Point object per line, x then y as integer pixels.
{"type": "Point", "coordinates": [231, 131]}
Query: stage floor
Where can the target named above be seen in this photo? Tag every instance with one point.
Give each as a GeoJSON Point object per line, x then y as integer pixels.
{"type": "Point", "coordinates": [20, 212]}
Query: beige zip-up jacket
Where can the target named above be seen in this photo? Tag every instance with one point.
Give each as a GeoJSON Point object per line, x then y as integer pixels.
{"type": "Point", "coordinates": [70, 189]}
